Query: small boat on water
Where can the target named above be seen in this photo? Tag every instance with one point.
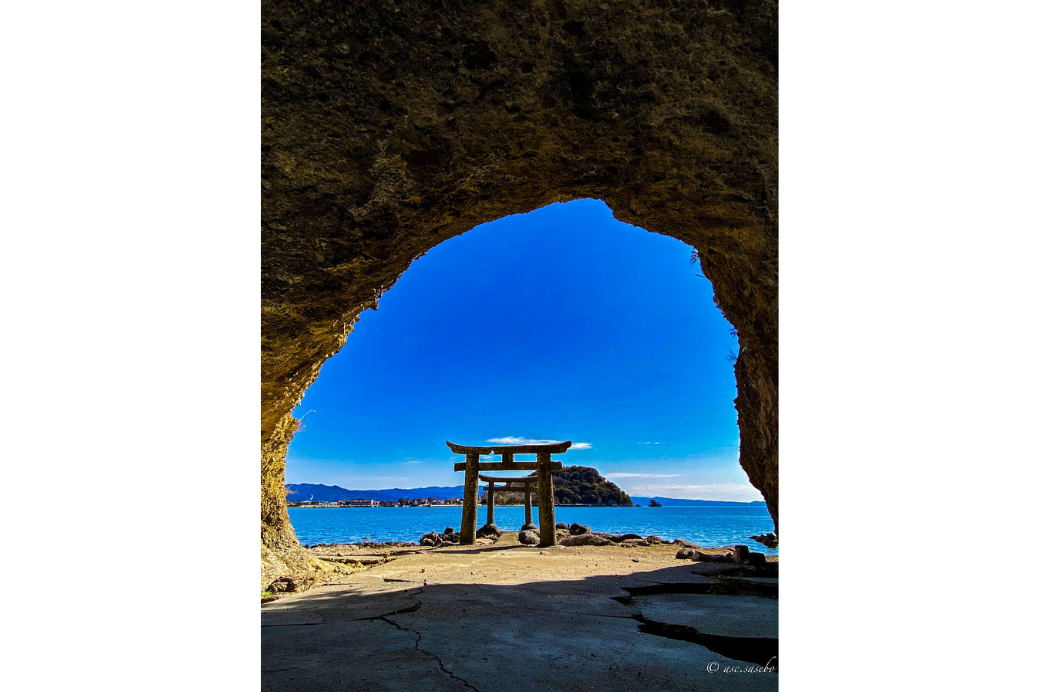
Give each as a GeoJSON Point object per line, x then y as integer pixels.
{"type": "Point", "coordinates": [655, 503]}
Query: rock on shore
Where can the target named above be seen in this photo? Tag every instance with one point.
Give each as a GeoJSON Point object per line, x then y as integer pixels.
{"type": "Point", "coordinates": [436, 540]}
{"type": "Point", "coordinates": [528, 537]}
{"type": "Point", "coordinates": [769, 540]}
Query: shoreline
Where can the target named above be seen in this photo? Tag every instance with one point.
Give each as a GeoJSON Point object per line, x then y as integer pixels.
{"type": "Point", "coordinates": [695, 526]}
{"type": "Point", "coordinates": [333, 505]}
{"type": "Point", "coordinates": [339, 506]}
{"type": "Point", "coordinates": [575, 535]}
{"type": "Point", "coordinates": [342, 560]}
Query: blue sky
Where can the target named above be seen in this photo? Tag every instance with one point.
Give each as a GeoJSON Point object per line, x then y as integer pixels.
{"type": "Point", "coordinates": [560, 324]}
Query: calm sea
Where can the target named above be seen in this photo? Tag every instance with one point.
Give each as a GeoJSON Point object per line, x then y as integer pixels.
{"type": "Point", "coordinates": [705, 526]}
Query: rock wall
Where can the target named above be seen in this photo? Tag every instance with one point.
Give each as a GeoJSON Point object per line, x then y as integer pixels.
{"type": "Point", "coordinates": [391, 126]}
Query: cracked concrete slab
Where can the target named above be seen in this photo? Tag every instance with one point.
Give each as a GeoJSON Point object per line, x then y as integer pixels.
{"type": "Point", "coordinates": [472, 618]}
{"type": "Point", "coordinates": [728, 616]}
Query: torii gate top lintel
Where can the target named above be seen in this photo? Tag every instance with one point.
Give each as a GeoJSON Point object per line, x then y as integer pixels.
{"type": "Point", "coordinates": [554, 448]}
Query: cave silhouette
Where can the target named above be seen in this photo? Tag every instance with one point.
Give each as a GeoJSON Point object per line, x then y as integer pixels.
{"type": "Point", "coordinates": [387, 129]}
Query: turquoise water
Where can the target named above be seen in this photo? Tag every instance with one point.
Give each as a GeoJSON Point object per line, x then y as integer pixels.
{"type": "Point", "coordinates": [705, 526]}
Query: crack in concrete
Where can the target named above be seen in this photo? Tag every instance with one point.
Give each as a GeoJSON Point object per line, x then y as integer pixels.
{"type": "Point", "coordinates": [763, 651]}
{"type": "Point", "coordinates": [418, 641]}
{"type": "Point", "coordinates": [399, 611]}
{"type": "Point", "coordinates": [730, 587]}
{"type": "Point", "coordinates": [564, 612]}
{"type": "Point", "coordinates": [602, 615]}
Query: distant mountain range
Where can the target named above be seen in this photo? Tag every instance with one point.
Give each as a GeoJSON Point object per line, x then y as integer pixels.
{"type": "Point", "coordinates": [317, 492]}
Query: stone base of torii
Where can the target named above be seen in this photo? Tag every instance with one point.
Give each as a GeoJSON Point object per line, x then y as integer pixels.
{"type": "Point", "coordinates": [543, 469]}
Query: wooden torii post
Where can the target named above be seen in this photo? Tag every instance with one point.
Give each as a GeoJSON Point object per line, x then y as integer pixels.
{"type": "Point", "coordinates": [543, 468]}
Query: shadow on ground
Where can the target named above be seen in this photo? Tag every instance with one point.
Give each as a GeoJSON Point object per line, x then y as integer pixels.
{"type": "Point", "coordinates": [423, 621]}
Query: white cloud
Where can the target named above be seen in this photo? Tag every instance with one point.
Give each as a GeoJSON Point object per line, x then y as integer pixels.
{"type": "Point", "coordinates": [413, 462]}
{"type": "Point", "coordinates": [649, 443]}
{"type": "Point", "coordinates": [510, 440]}
{"type": "Point", "coordinates": [642, 475]}
{"type": "Point", "coordinates": [521, 441]}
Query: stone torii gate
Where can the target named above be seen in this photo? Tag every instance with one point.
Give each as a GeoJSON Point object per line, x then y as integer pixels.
{"type": "Point", "coordinates": [522, 484]}
{"type": "Point", "coordinates": [543, 468]}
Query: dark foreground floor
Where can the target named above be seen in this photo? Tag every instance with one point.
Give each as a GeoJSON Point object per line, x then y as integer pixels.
{"type": "Point", "coordinates": [509, 617]}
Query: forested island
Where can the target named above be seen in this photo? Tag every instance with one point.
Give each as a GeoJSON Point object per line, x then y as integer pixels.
{"type": "Point", "coordinates": [576, 485]}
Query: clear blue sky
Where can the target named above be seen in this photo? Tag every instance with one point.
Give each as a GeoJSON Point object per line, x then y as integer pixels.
{"type": "Point", "coordinates": [560, 324]}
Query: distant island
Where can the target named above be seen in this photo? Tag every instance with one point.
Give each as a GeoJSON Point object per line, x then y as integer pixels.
{"type": "Point", "coordinates": [577, 485]}
{"type": "Point", "coordinates": [574, 485]}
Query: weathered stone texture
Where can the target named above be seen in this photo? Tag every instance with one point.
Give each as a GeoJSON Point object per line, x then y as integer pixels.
{"type": "Point", "coordinates": [389, 127]}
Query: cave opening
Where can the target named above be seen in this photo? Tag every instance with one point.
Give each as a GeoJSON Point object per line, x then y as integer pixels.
{"type": "Point", "coordinates": [560, 323]}
{"type": "Point", "coordinates": [382, 139]}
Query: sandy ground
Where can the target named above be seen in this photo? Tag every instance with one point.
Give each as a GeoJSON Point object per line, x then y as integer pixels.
{"type": "Point", "coordinates": [491, 615]}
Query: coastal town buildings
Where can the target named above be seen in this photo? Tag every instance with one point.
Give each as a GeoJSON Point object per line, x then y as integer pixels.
{"type": "Point", "coordinates": [368, 502]}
